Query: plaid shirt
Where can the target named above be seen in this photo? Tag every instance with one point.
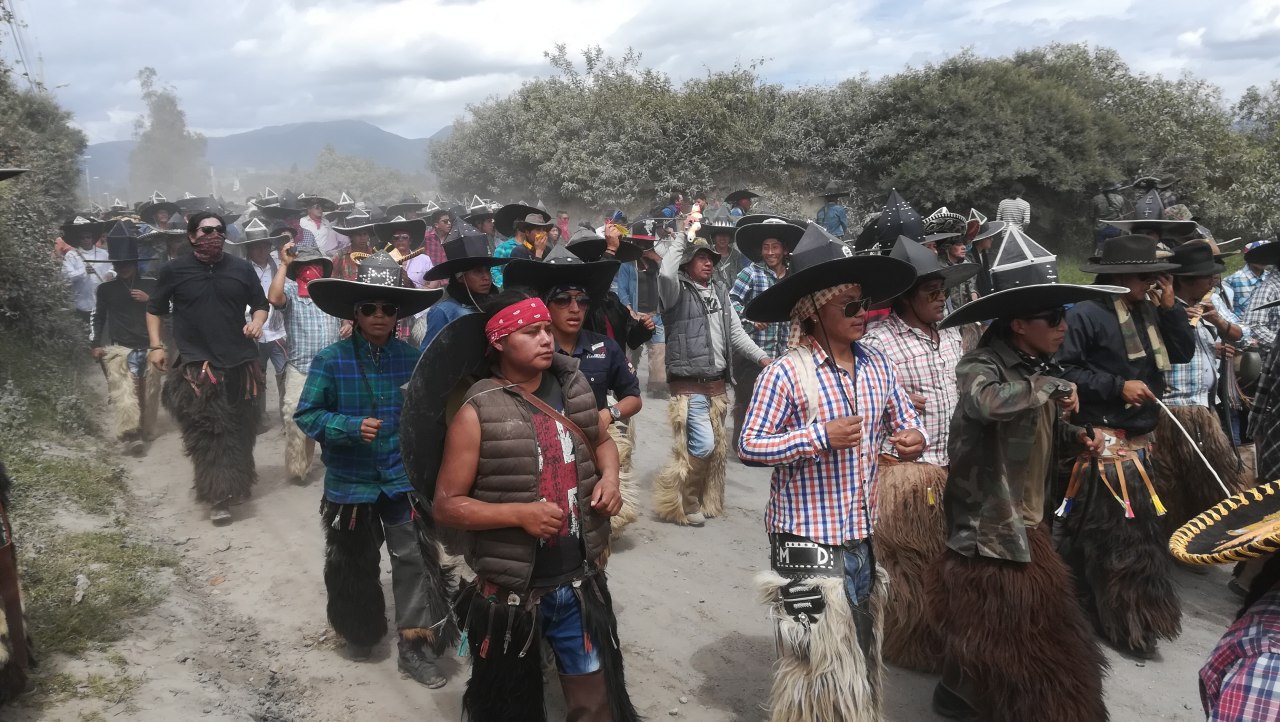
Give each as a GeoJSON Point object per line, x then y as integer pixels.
{"type": "Point", "coordinates": [433, 248]}
{"type": "Point", "coordinates": [339, 394]}
{"type": "Point", "coordinates": [751, 282]}
{"type": "Point", "coordinates": [1242, 283]}
{"type": "Point", "coordinates": [309, 329]}
{"type": "Point", "coordinates": [828, 496]}
{"type": "Point", "coordinates": [923, 368]}
{"type": "Point", "coordinates": [1241, 680]}
{"type": "Point", "coordinates": [1263, 324]}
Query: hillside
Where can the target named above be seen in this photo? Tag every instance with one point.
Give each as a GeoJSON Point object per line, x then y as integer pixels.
{"type": "Point", "coordinates": [280, 147]}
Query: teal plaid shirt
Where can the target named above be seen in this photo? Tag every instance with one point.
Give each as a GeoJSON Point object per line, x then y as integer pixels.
{"type": "Point", "coordinates": [340, 393]}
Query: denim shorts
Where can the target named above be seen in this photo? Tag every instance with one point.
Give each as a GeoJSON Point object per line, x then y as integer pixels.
{"type": "Point", "coordinates": [561, 616]}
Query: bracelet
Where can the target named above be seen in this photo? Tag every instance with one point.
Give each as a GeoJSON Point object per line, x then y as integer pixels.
{"type": "Point", "coordinates": [155, 348]}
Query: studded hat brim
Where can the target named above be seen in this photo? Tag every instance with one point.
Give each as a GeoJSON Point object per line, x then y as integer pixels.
{"type": "Point", "coordinates": [1241, 527]}
{"type": "Point", "coordinates": [338, 297]}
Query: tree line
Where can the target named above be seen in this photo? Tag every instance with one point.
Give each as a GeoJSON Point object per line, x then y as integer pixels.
{"type": "Point", "coordinates": [1061, 120]}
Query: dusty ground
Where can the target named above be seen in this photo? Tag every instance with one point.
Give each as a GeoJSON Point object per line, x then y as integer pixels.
{"type": "Point", "coordinates": [243, 634]}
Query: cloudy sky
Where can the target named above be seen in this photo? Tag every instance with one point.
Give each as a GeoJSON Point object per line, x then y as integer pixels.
{"type": "Point", "coordinates": [411, 66]}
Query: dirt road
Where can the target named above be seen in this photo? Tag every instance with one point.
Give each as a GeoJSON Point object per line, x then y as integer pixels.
{"type": "Point", "coordinates": [243, 635]}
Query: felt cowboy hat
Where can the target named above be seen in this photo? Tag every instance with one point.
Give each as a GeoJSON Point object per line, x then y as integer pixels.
{"type": "Point", "coordinates": [148, 210]}
{"type": "Point", "coordinates": [256, 232]}
{"type": "Point", "coordinates": [122, 245]}
{"type": "Point", "coordinates": [586, 245]}
{"type": "Point", "coordinates": [357, 220]}
{"type": "Point", "coordinates": [1262, 253]}
{"type": "Point", "coordinates": [562, 268]}
{"type": "Point", "coordinates": [740, 195]}
{"type": "Point", "coordinates": [1023, 301]}
{"type": "Point", "coordinates": [696, 246]}
{"type": "Point", "coordinates": [927, 265]}
{"type": "Point", "coordinates": [821, 261]}
{"type": "Point", "coordinates": [1196, 258]}
{"type": "Point", "coordinates": [81, 224]}
{"type": "Point", "coordinates": [833, 191]}
{"type": "Point", "coordinates": [284, 209]}
{"type": "Point", "coordinates": [641, 233]}
{"type": "Point", "coordinates": [1129, 254]}
{"type": "Point", "coordinates": [306, 200]}
{"type": "Point", "coordinates": [508, 216]}
{"type": "Point", "coordinates": [377, 279]}
{"type": "Point", "coordinates": [1241, 527]}
{"type": "Point", "coordinates": [405, 206]}
{"type": "Point", "coordinates": [7, 173]}
{"type": "Point", "coordinates": [268, 198]}
{"type": "Point", "coordinates": [751, 218]}
{"type": "Point", "coordinates": [478, 217]}
{"type": "Point", "coordinates": [336, 217]}
{"type": "Point", "coordinates": [304, 253]}
{"type": "Point", "coordinates": [453, 361]}
{"type": "Point", "coordinates": [1149, 214]}
{"type": "Point", "coordinates": [465, 248]}
{"type": "Point", "coordinates": [416, 228]}
{"type": "Point", "coordinates": [750, 238]}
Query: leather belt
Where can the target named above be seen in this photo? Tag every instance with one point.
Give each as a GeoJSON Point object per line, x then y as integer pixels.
{"type": "Point", "coordinates": [695, 379]}
{"type": "Point", "coordinates": [795, 557]}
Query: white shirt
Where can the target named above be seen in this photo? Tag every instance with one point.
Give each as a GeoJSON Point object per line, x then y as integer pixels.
{"type": "Point", "coordinates": [415, 268]}
{"type": "Point", "coordinates": [86, 277]}
{"type": "Point", "coordinates": [273, 329]}
{"type": "Point", "coordinates": [330, 242]}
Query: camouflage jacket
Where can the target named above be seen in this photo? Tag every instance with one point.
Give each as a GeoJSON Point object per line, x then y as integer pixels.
{"type": "Point", "coordinates": [995, 463]}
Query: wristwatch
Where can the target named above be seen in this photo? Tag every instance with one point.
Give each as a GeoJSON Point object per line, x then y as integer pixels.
{"type": "Point", "coordinates": [615, 413]}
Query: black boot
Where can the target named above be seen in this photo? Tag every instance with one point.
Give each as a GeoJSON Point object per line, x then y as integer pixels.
{"type": "Point", "coordinates": [417, 662]}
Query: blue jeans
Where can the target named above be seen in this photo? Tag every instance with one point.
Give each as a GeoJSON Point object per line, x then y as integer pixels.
{"type": "Point", "coordinates": [701, 437]}
{"type": "Point", "coordinates": [659, 332]}
{"type": "Point", "coordinates": [561, 618]}
{"type": "Point", "coordinates": [857, 571]}
{"type": "Point", "coordinates": [273, 351]}
{"type": "Point", "coordinates": [137, 360]}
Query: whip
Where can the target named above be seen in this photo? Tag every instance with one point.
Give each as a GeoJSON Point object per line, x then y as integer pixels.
{"type": "Point", "coordinates": [1195, 446]}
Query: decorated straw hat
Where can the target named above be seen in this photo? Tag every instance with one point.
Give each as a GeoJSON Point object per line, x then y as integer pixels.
{"type": "Point", "coordinates": [1241, 527]}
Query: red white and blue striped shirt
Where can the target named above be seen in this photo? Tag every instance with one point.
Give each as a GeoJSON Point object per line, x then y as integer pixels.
{"type": "Point", "coordinates": [828, 496]}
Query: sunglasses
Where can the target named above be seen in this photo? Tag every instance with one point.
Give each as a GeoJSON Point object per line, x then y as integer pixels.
{"type": "Point", "coordinates": [564, 300]}
{"type": "Point", "coordinates": [370, 309]}
{"type": "Point", "coordinates": [936, 294]}
{"type": "Point", "coordinates": [401, 236]}
{"type": "Point", "coordinates": [210, 230]}
{"type": "Point", "coordinates": [853, 308]}
{"type": "Point", "coordinates": [1052, 318]}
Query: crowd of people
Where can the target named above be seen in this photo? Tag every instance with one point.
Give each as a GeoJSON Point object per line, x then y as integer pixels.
{"type": "Point", "coordinates": [949, 428]}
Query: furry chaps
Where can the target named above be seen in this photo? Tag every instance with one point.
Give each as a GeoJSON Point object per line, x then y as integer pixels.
{"type": "Point", "coordinates": [910, 535]}
{"type": "Point", "coordinates": [821, 672]}
{"type": "Point", "coordinates": [1180, 478]}
{"type": "Point", "coordinates": [219, 423]}
{"type": "Point", "coordinates": [298, 449]}
{"type": "Point", "coordinates": [624, 435]}
{"type": "Point", "coordinates": [1019, 634]}
{"type": "Point", "coordinates": [352, 572]}
{"type": "Point", "coordinates": [688, 484]}
{"type": "Point", "coordinates": [134, 402]}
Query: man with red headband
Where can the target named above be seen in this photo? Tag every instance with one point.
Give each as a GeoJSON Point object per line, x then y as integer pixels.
{"type": "Point", "coordinates": [531, 473]}
{"type": "Point", "coordinates": [309, 330]}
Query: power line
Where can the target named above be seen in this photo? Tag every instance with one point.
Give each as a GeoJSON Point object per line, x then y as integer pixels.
{"type": "Point", "coordinates": [14, 21]}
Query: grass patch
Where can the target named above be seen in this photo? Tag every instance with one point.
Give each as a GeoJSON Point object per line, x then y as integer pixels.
{"type": "Point", "coordinates": [122, 584]}
{"type": "Point", "coordinates": [39, 479]}
{"type": "Point", "coordinates": [60, 687]}
{"type": "Point", "coordinates": [51, 399]}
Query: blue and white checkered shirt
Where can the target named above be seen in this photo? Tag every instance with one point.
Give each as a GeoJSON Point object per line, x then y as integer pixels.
{"type": "Point", "coordinates": [1242, 284]}
{"type": "Point", "coordinates": [1264, 323]}
{"type": "Point", "coordinates": [308, 328]}
{"type": "Point", "coordinates": [751, 282]}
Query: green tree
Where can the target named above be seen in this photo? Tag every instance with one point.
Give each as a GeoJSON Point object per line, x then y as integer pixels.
{"type": "Point", "coordinates": [168, 156]}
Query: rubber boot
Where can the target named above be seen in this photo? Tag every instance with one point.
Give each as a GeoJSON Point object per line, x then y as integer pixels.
{"type": "Point", "coordinates": [586, 698]}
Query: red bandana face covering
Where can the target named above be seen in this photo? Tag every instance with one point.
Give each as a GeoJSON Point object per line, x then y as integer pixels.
{"type": "Point", "coordinates": [207, 249]}
{"type": "Point", "coordinates": [514, 317]}
{"type": "Point", "coordinates": [306, 275]}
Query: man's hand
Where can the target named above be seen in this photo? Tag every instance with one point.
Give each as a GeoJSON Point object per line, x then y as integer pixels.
{"type": "Point", "coordinates": [1094, 443]}
{"type": "Point", "coordinates": [606, 498]}
{"type": "Point", "coordinates": [918, 401]}
{"type": "Point", "coordinates": [647, 320]}
{"type": "Point", "coordinates": [766, 361]}
{"type": "Point", "coordinates": [345, 331]}
{"type": "Point", "coordinates": [369, 429]}
{"type": "Point", "coordinates": [541, 519]}
{"type": "Point", "coordinates": [97, 353]}
{"type": "Point", "coordinates": [606, 418]}
{"type": "Point", "coordinates": [1136, 393]}
{"type": "Point", "coordinates": [139, 295]}
{"type": "Point", "coordinates": [253, 330]}
{"type": "Point", "coordinates": [844, 432]}
{"type": "Point", "coordinates": [1209, 313]}
{"type": "Point", "coordinates": [286, 253]}
{"type": "Point", "coordinates": [1165, 283]}
{"type": "Point", "coordinates": [1226, 350]}
{"type": "Point", "coordinates": [760, 326]}
{"type": "Point", "coordinates": [158, 359]}
{"type": "Point", "coordinates": [1194, 312]}
{"type": "Point", "coordinates": [908, 444]}
{"type": "Point", "coordinates": [1069, 403]}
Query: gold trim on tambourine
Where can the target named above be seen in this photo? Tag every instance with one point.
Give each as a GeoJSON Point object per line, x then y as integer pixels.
{"type": "Point", "coordinates": [1237, 544]}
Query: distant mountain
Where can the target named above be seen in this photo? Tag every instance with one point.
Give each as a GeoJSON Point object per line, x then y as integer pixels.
{"type": "Point", "coordinates": [280, 147]}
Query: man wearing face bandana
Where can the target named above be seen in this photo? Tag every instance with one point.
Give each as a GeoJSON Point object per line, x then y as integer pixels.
{"type": "Point", "coordinates": [309, 330]}
{"type": "Point", "coordinates": [213, 386]}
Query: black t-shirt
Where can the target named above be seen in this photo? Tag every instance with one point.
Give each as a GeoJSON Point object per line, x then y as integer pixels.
{"type": "Point", "coordinates": [209, 303]}
{"type": "Point", "coordinates": [117, 318]}
{"type": "Point", "coordinates": [558, 559]}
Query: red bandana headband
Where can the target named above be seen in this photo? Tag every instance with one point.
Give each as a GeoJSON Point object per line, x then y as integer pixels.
{"type": "Point", "coordinates": [516, 316]}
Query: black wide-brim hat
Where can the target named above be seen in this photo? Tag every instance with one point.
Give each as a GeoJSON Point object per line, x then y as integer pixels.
{"type": "Point", "coordinates": [1170, 228]}
{"type": "Point", "coordinates": [281, 213]}
{"type": "Point", "coordinates": [709, 230]}
{"type": "Point", "coordinates": [1196, 258]}
{"type": "Point", "coordinates": [740, 195]}
{"type": "Point", "coordinates": [479, 217]}
{"type": "Point", "coordinates": [752, 218]}
{"type": "Point", "coordinates": [1129, 254]}
{"type": "Point", "coordinates": [1026, 301]}
{"type": "Point", "coordinates": [416, 228]}
{"type": "Point", "coordinates": [594, 277]}
{"type": "Point", "coordinates": [404, 208]}
{"type": "Point", "coordinates": [310, 254]}
{"type": "Point", "coordinates": [928, 266]}
{"type": "Point", "coordinates": [882, 278]}
{"type": "Point", "coordinates": [1241, 527]}
{"type": "Point", "coordinates": [94, 227]}
{"type": "Point", "coordinates": [504, 221]}
{"type": "Point", "coordinates": [7, 173]}
{"type": "Point", "coordinates": [163, 235]}
{"type": "Point", "coordinates": [148, 212]}
{"type": "Point", "coordinates": [338, 297]}
{"type": "Point", "coordinates": [750, 238]}
{"type": "Point", "coordinates": [594, 249]}
{"type": "Point", "coordinates": [326, 205]}
{"type": "Point", "coordinates": [1267, 254]}
{"type": "Point", "coordinates": [453, 361]}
